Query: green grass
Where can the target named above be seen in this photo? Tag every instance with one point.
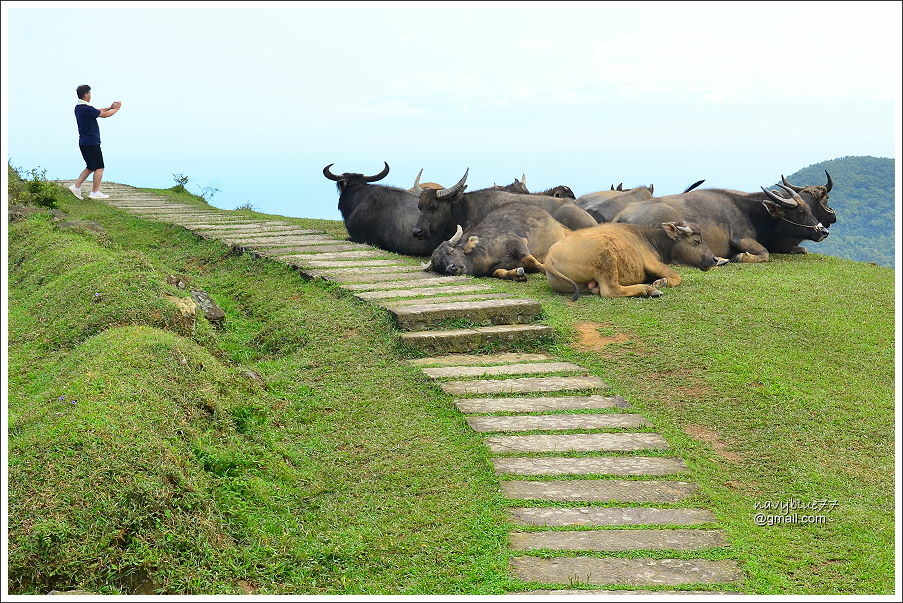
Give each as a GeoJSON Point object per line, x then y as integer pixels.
{"type": "Point", "coordinates": [142, 459]}
{"type": "Point", "coordinates": [791, 365]}
{"type": "Point", "coordinates": [349, 472]}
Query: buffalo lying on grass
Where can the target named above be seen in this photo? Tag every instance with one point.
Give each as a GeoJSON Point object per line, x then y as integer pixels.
{"type": "Point", "coordinates": [618, 260]}
{"type": "Point", "coordinates": [735, 224]}
{"type": "Point", "coordinates": [441, 211]}
{"type": "Point", "coordinates": [380, 215]}
{"type": "Point", "coordinates": [511, 240]}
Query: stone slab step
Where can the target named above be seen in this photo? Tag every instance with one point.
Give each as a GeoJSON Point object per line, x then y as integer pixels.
{"type": "Point", "coordinates": [522, 385]}
{"type": "Point", "coordinates": [608, 516]}
{"type": "Point", "coordinates": [442, 299]}
{"type": "Point", "coordinates": [591, 442]}
{"type": "Point", "coordinates": [267, 226]}
{"type": "Point", "coordinates": [601, 490]}
{"type": "Point", "coordinates": [301, 260]}
{"type": "Point", "coordinates": [283, 241]}
{"type": "Point", "coordinates": [508, 369]}
{"type": "Point", "coordinates": [365, 275]}
{"type": "Point", "coordinates": [466, 340]}
{"type": "Point", "coordinates": [408, 283]}
{"type": "Point", "coordinates": [488, 312]}
{"type": "Point", "coordinates": [279, 242]}
{"type": "Point", "coordinates": [350, 264]}
{"type": "Point", "coordinates": [628, 465]}
{"type": "Point", "coordinates": [557, 422]}
{"type": "Point", "coordinates": [479, 359]}
{"type": "Point", "coordinates": [540, 404]}
{"type": "Point", "coordinates": [332, 273]}
{"type": "Point", "coordinates": [632, 572]}
{"type": "Point", "coordinates": [415, 292]}
{"type": "Point", "coordinates": [679, 539]}
{"type": "Point", "coordinates": [283, 251]}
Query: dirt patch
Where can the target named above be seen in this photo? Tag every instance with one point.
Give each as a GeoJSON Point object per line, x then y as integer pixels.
{"type": "Point", "coordinates": [712, 438]}
{"type": "Point", "coordinates": [590, 337]}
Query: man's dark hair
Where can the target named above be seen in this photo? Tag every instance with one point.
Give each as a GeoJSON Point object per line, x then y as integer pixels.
{"type": "Point", "coordinates": [82, 90]}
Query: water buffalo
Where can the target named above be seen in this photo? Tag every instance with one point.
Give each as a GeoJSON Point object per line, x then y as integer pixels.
{"type": "Point", "coordinates": [605, 205]}
{"type": "Point", "coordinates": [380, 215]}
{"type": "Point", "coordinates": [442, 210]}
{"type": "Point", "coordinates": [619, 260]}
{"type": "Point", "coordinates": [816, 197]}
{"type": "Point", "coordinates": [733, 223]}
{"type": "Point", "coordinates": [520, 187]}
{"type": "Point", "coordinates": [512, 239]}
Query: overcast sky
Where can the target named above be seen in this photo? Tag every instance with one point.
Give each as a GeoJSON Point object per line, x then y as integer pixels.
{"type": "Point", "coordinates": [254, 99]}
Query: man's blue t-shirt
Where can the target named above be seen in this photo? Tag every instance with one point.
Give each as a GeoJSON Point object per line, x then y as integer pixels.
{"type": "Point", "coordinates": [88, 130]}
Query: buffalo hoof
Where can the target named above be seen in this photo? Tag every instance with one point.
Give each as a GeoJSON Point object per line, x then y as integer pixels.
{"type": "Point", "coordinates": [721, 261]}
{"type": "Point", "coordinates": [520, 271]}
{"type": "Point", "coordinates": [655, 293]}
{"type": "Point", "coordinates": [660, 284]}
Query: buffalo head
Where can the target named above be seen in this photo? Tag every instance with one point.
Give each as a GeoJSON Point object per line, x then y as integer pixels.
{"type": "Point", "coordinates": [794, 216]}
{"type": "Point", "coordinates": [817, 198]}
{"type": "Point", "coordinates": [437, 208]}
{"type": "Point", "coordinates": [450, 257]}
{"type": "Point", "coordinates": [349, 178]}
{"type": "Point", "coordinates": [688, 247]}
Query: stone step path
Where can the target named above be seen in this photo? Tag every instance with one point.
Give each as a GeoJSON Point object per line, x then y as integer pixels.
{"type": "Point", "coordinates": [370, 274]}
{"type": "Point", "coordinates": [539, 465]}
{"type": "Point", "coordinates": [609, 489]}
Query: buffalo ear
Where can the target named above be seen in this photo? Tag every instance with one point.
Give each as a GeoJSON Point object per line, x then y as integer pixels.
{"type": "Point", "coordinates": [471, 244]}
{"type": "Point", "coordinates": [670, 229]}
{"type": "Point", "coordinates": [773, 208]}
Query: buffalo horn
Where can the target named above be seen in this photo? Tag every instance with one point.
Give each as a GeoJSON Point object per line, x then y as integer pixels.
{"type": "Point", "coordinates": [329, 174]}
{"type": "Point", "coordinates": [379, 176]}
{"type": "Point", "coordinates": [456, 237]}
{"type": "Point", "coordinates": [830, 184]}
{"type": "Point", "coordinates": [427, 266]}
{"type": "Point", "coordinates": [791, 186]}
{"type": "Point", "coordinates": [453, 190]}
{"type": "Point", "coordinates": [778, 199]}
{"type": "Point", "coordinates": [523, 179]}
{"type": "Point", "coordinates": [620, 185]}
{"type": "Point", "coordinates": [651, 189]}
{"type": "Point", "coordinates": [416, 188]}
{"type": "Point", "coordinates": [792, 194]}
{"type": "Point", "coordinates": [612, 187]}
{"type": "Point", "coordinates": [683, 227]}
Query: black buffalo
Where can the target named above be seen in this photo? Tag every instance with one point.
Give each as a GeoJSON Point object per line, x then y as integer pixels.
{"type": "Point", "coordinates": [605, 205]}
{"type": "Point", "coordinates": [511, 239]}
{"type": "Point", "coordinates": [733, 223]}
{"type": "Point", "coordinates": [441, 211]}
{"type": "Point", "coordinates": [520, 187]}
{"type": "Point", "coordinates": [380, 215]}
{"type": "Point", "coordinates": [816, 197]}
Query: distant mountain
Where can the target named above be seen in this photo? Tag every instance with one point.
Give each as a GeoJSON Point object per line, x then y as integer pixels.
{"type": "Point", "coordinates": [863, 199]}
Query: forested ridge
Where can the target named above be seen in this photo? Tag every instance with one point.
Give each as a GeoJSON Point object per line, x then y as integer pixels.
{"type": "Point", "coordinates": [863, 198]}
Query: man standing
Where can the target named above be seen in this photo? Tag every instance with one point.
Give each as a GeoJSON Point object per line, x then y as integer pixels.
{"type": "Point", "coordinates": [89, 141]}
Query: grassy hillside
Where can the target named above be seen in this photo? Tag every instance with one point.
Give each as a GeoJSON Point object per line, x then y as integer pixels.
{"type": "Point", "coordinates": [144, 457]}
{"type": "Point", "coordinates": [863, 198]}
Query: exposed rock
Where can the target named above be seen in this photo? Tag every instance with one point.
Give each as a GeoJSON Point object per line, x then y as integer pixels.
{"type": "Point", "coordinates": [186, 307]}
{"type": "Point", "coordinates": [58, 215]}
{"type": "Point", "coordinates": [83, 225]}
{"type": "Point", "coordinates": [212, 312]}
{"type": "Point", "coordinates": [254, 377]}
{"type": "Point", "coordinates": [20, 212]}
{"type": "Point", "coordinates": [178, 281]}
